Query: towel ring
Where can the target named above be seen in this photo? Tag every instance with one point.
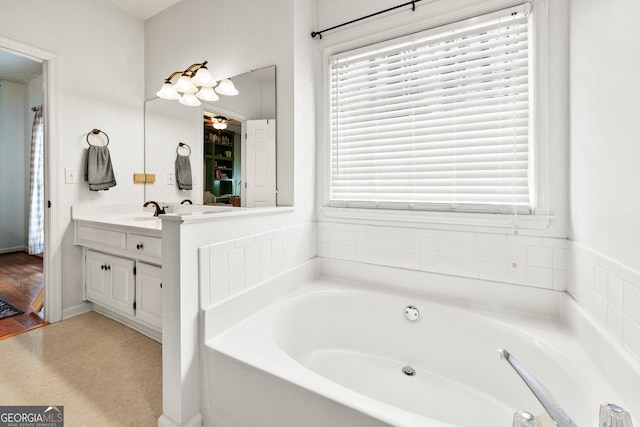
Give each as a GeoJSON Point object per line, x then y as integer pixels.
{"type": "Point", "coordinates": [97, 132]}
{"type": "Point", "coordinates": [182, 144]}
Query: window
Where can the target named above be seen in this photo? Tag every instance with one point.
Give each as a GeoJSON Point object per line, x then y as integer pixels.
{"type": "Point", "coordinates": [438, 120]}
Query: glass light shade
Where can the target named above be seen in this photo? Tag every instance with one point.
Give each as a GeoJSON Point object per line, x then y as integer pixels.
{"type": "Point", "coordinates": [167, 91]}
{"type": "Point", "coordinates": [203, 78]}
{"type": "Point", "coordinates": [226, 87]}
{"type": "Point", "coordinates": [190, 100]}
{"type": "Point", "coordinates": [207, 94]}
{"type": "Point", "coordinates": [219, 122]}
{"type": "Point", "coordinates": [185, 85]}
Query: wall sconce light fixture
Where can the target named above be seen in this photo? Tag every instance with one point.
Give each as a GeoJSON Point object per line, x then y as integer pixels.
{"type": "Point", "coordinates": [195, 83]}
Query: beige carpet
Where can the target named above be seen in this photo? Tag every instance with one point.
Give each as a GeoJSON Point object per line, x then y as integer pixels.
{"type": "Point", "coordinates": [103, 373]}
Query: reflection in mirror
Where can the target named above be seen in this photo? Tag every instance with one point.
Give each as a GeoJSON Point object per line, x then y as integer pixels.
{"type": "Point", "coordinates": [232, 165]}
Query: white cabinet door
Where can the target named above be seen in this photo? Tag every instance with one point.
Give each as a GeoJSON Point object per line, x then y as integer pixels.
{"type": "Point", "coordinates": [149, 293]}
{"type": "Point", "coordinates": [109, 281]}
{"type": "Point", "coordinates": [96, 278]}
{"type": "Point", "coordinates": [123, 286]}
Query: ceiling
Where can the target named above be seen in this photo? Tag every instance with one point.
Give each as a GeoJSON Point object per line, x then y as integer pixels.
{"type": "Point", "coordinates": [17, 69]}
{"type": "Point", "coordinates": [21, 70]}
{"type": "Point", "coordinates": [144, 8]}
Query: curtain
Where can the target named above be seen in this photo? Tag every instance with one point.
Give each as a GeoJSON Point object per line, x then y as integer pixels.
{"type": "Point", "coordinates": [36, 195]}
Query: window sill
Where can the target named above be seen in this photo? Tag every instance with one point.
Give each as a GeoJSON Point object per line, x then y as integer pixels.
{"type": "Point", "coordinates": [462, 220]}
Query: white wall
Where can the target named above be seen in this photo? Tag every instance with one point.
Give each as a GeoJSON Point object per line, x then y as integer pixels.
{"type": "Point", "coordinates": [166, 124]}
{"type": "Point", "coordinates": [605, 151]}
{"type": "Point", "coordinates": [235, 37]}
{"type": "Point", "coordinates": [12, 166]}
{"type": "Point", "coordinates": [101, 52]}
{"type": "Point", "coordinates": [605, 201]}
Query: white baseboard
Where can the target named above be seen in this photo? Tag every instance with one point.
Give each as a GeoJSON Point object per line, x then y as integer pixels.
{"type": "Point", "coordinates": [196, 421]}
{"type": "Point", "coordinates": [76, 310]}
{"type": "Point", "coordinates": [135, 325]}
{"type": "Point", "coordinates": [13, 249]}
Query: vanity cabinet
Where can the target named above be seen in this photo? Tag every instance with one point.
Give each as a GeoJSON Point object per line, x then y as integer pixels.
{"type": "Point", "coordinates": [110, 280]}
{"type": "Point", "coordinates": [123, 274]}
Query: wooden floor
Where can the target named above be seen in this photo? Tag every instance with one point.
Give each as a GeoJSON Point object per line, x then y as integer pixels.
{"type": "Point", "coordinates": [21, 279]}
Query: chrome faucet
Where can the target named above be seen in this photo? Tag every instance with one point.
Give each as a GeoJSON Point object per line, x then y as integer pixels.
{"type": "Point", "coordinates": [557, 414]}
{"type": "Point", "coordinates": [159, 210]}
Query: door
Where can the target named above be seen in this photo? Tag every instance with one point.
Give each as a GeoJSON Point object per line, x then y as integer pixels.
{"type": "Point", "coordinates": [260, 164]}
{"type": "Point", "coordinates": [149, 294]}
{"type": "Point", "coordinates": [96, 280]}
{"type": "Point", "coordinates": [52, 264]}
{"type": "Point", "coordinates": [109, 281]}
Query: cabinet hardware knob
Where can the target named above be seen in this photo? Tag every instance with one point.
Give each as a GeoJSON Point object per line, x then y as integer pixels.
{"type": "Point", "coordinates": [102, 267]}
{"type": "Point", "coordinates": [108, 267]}
{"type": "Point", "coordinates": [140, 246]}
{"type": "Point", "coordinates": [160, 284]}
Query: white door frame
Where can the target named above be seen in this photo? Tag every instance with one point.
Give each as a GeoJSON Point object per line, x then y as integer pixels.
{"type": "Point", "coordinates": [52, 233]}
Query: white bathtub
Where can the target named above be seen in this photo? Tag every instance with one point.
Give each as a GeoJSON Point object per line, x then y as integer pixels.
{"type": "Point", "coordinates": [330, 353]}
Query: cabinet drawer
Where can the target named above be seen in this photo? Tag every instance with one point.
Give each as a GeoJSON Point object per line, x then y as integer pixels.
{"type": "Point", "coordinates": [92, 237]}
{"type": "Point", "coordinates": [145, 245]}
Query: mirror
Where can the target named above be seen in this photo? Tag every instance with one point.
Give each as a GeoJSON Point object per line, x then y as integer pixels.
{"type": "Point", "coordinates": [231, 166]}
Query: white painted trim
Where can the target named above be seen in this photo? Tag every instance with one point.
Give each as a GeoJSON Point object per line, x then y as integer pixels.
{"type": "Point", "coordinates": [196, 421]}
{"type": "Point", "coordinates": [541, 106]}
{"type": "Point", "coordinates": [212, 108]}
{"type": "Point", "coordinates": [77, 310]}
{"type": "Point", "coordinates": [341, 41]}
{"type": "Point", "coordinates": [53, 234]}
{"type": "Point", "coordinates": [443, 219]}
{"type": "Point", "coordinates": [136, 325]}
{"type": "Point", "coordinates": [13, 249]}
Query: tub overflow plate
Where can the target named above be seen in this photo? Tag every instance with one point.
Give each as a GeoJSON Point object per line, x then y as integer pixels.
{"type": "Point", "coordinates": [411, 313]}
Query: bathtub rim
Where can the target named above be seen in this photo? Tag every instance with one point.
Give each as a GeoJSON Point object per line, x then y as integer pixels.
{"type": "Point", "coordinates": [474, 293]}
{"type": "Point", "coordinates": [441, 288]}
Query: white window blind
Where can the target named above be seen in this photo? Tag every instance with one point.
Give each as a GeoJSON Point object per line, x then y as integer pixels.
{"type": "Point", "coordinates": [435, 120]}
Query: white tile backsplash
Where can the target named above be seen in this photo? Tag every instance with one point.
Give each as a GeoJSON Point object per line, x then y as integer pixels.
{"type": "Point", "coordinates": [491, 256]}
{"type": "Point", "coordinates": [631, 337]}
{"type": "Point", "coordinates": [631, 302]}
{"type": "Point", "coordinates": [607, 290]}
{"type": "Point", "coordinates": [236, 259]}
{"type": "Point", "coordinates": [615, 290]}
{"type": "Point", "coordinates": [227, 268]}
{"type": "Point", "coordinates": [540, 256]}
{"type": "Point", "coordinates": [601, 286]}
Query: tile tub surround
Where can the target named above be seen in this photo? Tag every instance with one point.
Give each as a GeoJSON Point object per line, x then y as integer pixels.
{"type": "Point", "coordinates": [523, 260]}
{"type": "Point", "coordinates": [608, 291]}
{"type": "Point", "coordinates": [229, 267]}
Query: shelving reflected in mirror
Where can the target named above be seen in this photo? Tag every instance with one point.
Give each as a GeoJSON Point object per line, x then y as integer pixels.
{"type": "Point", "coordinates": [233, 163]}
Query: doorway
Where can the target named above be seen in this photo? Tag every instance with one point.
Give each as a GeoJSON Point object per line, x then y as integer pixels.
{"type": "Point", "coordinates": [21, 191]}
{"type": "Point", "coordinates": [52, 234]}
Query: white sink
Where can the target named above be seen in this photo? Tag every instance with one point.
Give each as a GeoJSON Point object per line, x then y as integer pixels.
{"type": "Point", "coordinates": [143, 218]}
